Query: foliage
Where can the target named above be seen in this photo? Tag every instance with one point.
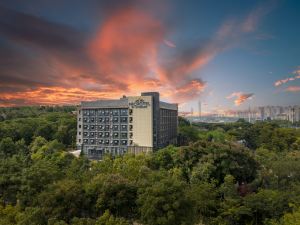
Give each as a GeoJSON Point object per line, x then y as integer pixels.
{"type": "Point", "coordinates": [236, 173]}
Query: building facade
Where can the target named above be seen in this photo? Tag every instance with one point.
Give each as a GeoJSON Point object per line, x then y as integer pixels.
{"type": "Point", "coordinates": [130, 124]}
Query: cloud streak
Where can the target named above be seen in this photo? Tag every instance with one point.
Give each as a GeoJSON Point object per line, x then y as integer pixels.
{"type": "Point", "coordinates": [288, 79]}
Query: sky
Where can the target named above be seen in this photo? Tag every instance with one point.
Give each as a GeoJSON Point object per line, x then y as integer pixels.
{"type": "Point", "coordinates": [231, 54]}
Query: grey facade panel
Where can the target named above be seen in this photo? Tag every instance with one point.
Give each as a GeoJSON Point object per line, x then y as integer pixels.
{"type": "Point", "coordinates": [169, 106]}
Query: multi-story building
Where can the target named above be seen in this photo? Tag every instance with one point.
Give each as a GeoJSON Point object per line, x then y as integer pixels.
{"type": "Point", "coordinates": [129, 124]}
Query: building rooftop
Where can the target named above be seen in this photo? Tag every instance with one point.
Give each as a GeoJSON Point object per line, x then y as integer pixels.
{"type": "Point", "coordinates": [121, 103]}
{"type": "Point", "coordinates": [166, 105]}
{"type": "Point", "coordinates": [114, 103]}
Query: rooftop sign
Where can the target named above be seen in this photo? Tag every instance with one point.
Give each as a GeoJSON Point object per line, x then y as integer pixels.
{"type": "Point", "coordinates": [140, 103]}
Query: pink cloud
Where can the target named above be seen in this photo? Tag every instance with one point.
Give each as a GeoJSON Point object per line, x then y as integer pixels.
{"type": "Point", "coordinates": [288, 79]}
{"type": "Point", "coordinates": [293, 89]}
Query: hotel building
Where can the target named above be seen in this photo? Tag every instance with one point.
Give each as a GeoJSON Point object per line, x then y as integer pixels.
{"type": "Point", "coordinates": [130, 124]}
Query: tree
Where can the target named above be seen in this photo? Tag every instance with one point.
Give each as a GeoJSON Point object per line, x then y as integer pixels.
{"type": "Point", "coordinates": [292, 218]}
{"type": "Point", "coordinates": [37, 143]}
{"type": "Point", "coordinates": [63, 200]}
{"type": "Point", "coordinates": [31, 216]}
{"type": "Point", "coordinates": [205, 198]}
{"type": "Point", "coordinates": [118, 195]}
{"type": "Point", "coordinates": [108, 219]}
{"type": "Point", "coordinates": [7, 147]}
{"type": "Point", "coordinates": [218, 160]}
{"type": "Point", "coordinates": [10, 178]}
{"type": "Point", "coordinates": [47, 149]}
{"type": "Point", "coordinates": [266, 204]}
{"type": "Point", "coordinates": [164, 202]}
{"type": "Point", "coordinates": [163, 158]}
{"type": "Point", "coordinates": [35, 179]}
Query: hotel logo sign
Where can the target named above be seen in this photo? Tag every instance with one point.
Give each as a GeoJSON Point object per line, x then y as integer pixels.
{"type": "Point", "coordinates": [140, 103]}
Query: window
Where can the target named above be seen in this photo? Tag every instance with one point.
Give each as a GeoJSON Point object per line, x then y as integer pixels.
{"type": "Point", "coordinates": [131, 135]}
{"type": "Point", "coordinates": [123, 119]}
{"type": "Point", "coordinates": [124, 142]}
{"type": "Point", "coordinates": [106, 134]}
{"type": "Point", "coordinates": [92, 141]}
{"type": "Point", "coordinates": [107, 142]}
{"type": "Point", "coordinates": [92, 134]}
{"type": "Point", "coordinates": [85, 141]}
{"type": "Point", "coordinates": [116, 135]}
{"type": "Point", "coordinates": [115, 119]}
{"type": "Point", "coordinates": [85, 119]}
{"type": "Point", "coordinates": [115, 127]}
{"type": "Point", "coordinates": [100, 141]}
{"type": "Point", "coordinates": [85, 134]}
{"type": "Point", "coordinates": [130, 119]}
{"type": "Point", "coordinates": [106, 119]}
{"type": "Point", "coordinates": [115, 112]}
{"type": "Point", "coordinates": [79, 126]}
{"type": "Point", "coordinates": [106, 113]}
{"type": "Point", "coordinates": [100, 134]}
{"type": "Point", "coordinates": [130, 111]}
{"type": "Point", "coordinates": [123, 135]}
{"type": "Point", "coordinates": [124, 127]}
{"type": "Point", "coordinates": [100, 120]}
{"type": "Point", "coordinates": [131, 142]}
{"type": "Point", "coordinates": [92, 127]}
{"type": "Point", "coordinates": [100, 127]}
{"type": "Point", "coordinates": [79, 133]}
{"type": "Point", "coordinates": [79, 119]}
{"type": "Point", "coordinates": [106, 127]}
{"type": "Point", "coordinates": [130, 127]}
{"type": "Point", "coordinates": [116, 142]}
{"type": "Point", "coordinates": [92, 120]}
{"type": "Point", "coordinates": [79, 140]}
{"type": "Point", "coordinates": [79, 111]}
{"type": "Point", "coordinates": [124, 112]}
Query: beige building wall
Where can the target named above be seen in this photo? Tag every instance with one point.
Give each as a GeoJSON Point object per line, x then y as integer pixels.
{"type": "Point", "coordinates": [141, 126]}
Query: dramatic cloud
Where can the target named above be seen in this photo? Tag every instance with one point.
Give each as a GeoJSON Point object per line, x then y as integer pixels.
{"type": "Point", "coordinates": [44, 62]}
{"type": "Point", "coordinates": [240, 97]}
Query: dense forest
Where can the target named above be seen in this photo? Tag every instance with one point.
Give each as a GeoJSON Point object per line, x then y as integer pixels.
{"type": "Point", "coordinates": [220, 174]}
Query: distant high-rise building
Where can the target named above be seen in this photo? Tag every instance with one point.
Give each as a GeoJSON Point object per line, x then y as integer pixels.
{"type": "Point", "coordinates": [200, 108]}
{"type": "Point", "coordinates": [290, 113]}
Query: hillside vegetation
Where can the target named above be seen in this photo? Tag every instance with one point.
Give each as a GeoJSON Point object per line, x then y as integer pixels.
{"type": "Point", "coordinates": [227, 174]}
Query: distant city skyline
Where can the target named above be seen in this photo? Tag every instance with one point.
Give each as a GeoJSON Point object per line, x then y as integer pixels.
{"type": "Point", "coordinates": [230, 55]}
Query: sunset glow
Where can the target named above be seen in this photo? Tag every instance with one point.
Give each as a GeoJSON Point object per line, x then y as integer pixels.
{"type": "Point", "coordinates": [134, 46]}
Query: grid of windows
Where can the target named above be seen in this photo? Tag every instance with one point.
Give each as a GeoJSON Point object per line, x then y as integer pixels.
{"type": "Point", "coordinates": [105, 131]}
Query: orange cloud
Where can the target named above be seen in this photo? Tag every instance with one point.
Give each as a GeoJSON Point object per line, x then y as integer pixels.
{"type": "Point", "coordinates": [126, 45]}
{"type": "Point", "coordinates": [54, 95]}
{"type": "Point", "coordinates": [240, 97]}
